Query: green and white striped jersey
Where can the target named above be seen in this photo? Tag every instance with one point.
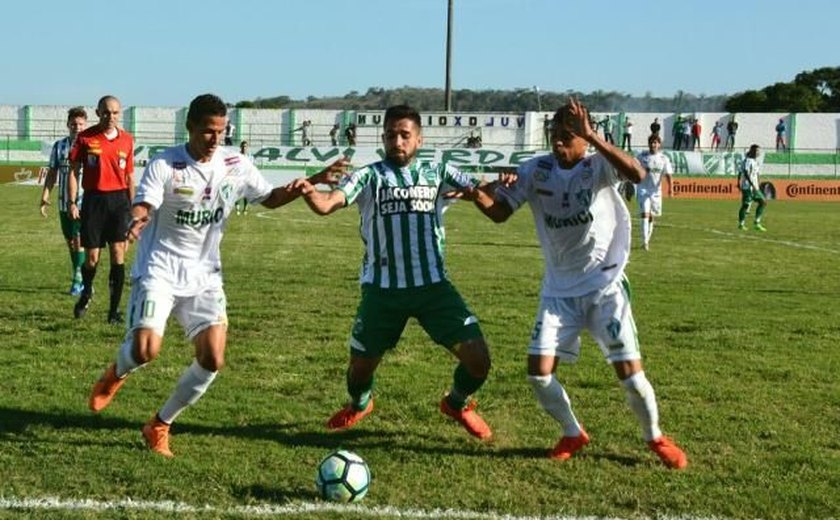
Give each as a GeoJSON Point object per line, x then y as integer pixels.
{"type": "Point", "coordinates": [401, 221]}
{"type": "Point", "coordinates": [60, 162]}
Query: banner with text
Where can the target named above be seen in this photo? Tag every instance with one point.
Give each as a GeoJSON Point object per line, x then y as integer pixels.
{"type": "Point", "coordinates": [779, 189]}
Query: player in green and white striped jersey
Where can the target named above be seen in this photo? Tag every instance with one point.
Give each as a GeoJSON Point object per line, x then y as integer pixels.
{"type": "Point", "coordinates": [401, 203]}
{"type": "Point", "coordinates": [59, 169]}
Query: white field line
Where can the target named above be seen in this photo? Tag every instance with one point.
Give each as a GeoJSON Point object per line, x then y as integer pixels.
{"type": "Point", "coordinates": [270, 510]}
{"type": "Point", "coordinates": [749, 235]}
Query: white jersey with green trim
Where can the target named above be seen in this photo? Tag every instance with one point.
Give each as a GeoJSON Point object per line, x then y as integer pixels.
{"type": "Point", "coordinates": [656, 165]}
{"type": "Point", "coordinates": [191, 202]}
{"type": "Point", "coordinates": [60, 162]}
{"type": "Point", "coordinates": [749, 174]}
{"type": "Point", "coordinates": [401, 212]}
{"type": "Point", "coordinates": [582, 222]}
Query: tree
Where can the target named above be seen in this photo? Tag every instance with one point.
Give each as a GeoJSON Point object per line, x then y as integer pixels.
{"type": "Point", "coordinates": [826, 83]}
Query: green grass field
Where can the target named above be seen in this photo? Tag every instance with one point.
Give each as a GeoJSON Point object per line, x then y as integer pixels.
{"type": "Point", "coordinates": [740, 333]}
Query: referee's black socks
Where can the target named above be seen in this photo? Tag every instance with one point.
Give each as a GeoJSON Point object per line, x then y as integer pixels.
{"type": "Point", "coordinates": [116, 280]}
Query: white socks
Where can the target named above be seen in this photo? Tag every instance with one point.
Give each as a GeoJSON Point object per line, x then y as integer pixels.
{"type": "Point", "coordinates": [642, 400]}
{"type": "Point", "coordinates": [193, 383]}
{"type": "Point", "coordinates": [125, 357]}
{"type": "Point", "coordinates": [646, 228]}
{"type": "Point", "coordinates": [554, 400]}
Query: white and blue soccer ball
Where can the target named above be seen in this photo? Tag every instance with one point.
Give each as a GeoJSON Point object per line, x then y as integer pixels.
{"type": "Point", "coordinates": [343, 476]}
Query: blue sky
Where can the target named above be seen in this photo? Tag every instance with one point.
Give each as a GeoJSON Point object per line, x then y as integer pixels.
{"type": "Point", "coordinates": [155, 52]}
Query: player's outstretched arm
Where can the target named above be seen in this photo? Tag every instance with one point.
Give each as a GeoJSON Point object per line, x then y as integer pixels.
{"type": "Point", "coordinates": [483, 196]}
{"type": "Point", "coordinates": [140, 216]}
{"type": "Point", "coordinates": [322, 203]}
{"type": "Point", "coordinates": [628, 166]}
{"type": "Point", "coordinates": [281, 195]}
{"type": "Point", "coordinates": [332, 173]}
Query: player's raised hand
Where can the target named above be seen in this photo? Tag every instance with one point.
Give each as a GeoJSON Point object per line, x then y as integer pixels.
{"type": "Point", "coordinates": [332, 173]}
{"type": "Point", "coordinates": [579, 123]}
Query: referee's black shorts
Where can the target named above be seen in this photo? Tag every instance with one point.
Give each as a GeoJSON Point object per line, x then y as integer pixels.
{"type": "Point", "coordinates": [106, 216]}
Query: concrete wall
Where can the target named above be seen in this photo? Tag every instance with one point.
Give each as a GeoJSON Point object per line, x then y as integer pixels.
{"type": "Point", "coordinates": [263, 127]}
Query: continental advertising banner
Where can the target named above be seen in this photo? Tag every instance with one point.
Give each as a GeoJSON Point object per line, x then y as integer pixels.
{"type": "Point", "coordinates": [778, 189]}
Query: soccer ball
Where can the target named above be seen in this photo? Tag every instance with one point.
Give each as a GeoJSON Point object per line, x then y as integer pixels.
{"type": "Point", "coordinates": [342, 476]}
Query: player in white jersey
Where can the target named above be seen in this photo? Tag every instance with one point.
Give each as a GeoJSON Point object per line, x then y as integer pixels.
{"type": "Point", "coordinates": [401, 204]}
{"type": "Point", "coordinates": [584, 230]}
{"type": "Point", "coordinates": [751, 190]}
{"type": "Point", "coordinates": [59, 170]}
{"type": "Point", "coordinates": [649, 191]}
{"type": "Point", "coordinates": [181, 207]}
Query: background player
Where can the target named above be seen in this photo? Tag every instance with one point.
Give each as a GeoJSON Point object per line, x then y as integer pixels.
{"type": "Point", "coordinates": [748, 180]}
{"type": "Point", "coordinates": [649, 190]}
{"type": "Point", "coordinates": [59, 170]}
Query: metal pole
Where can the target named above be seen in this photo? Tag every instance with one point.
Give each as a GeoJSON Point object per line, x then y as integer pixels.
{"type": "Point", "coordinates": [539, 100]}
{"type": "Point", "coordinates": [448, 90]}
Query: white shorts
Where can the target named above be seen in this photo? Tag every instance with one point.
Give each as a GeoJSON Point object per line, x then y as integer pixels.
{"type": "Point", "coordinates": [150, 305]}
{"type": "Point", "coordinates": [650, 202]}
{"type": "Point", "coordinates": [605, 313]}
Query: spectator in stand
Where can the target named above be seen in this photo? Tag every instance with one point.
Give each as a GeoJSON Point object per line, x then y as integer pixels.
{"type": "Point", "coordinates": [731, 130]}
{"type": "Point", "coordinates": [685, 131]}
{"type": "Point", "coordinates": [229, 128]}
{"type": "Point", "coordinates": [334, 135]}
{"type": "Point", "coordinates": [607, 125]}
{"type": "Point", "coordinates": [547, 131]}
{"type": "Point", "coordinates": [306, 132]}
{"type": "Point", "coordinates": [474, 141]}
{"type": "Point", "coordinates": [716, 136]}
{"type": "Point", "coordinates": [242, 204]}
{"type": "Point", "coordinates": [655, 127]}
{"type": "Point", "coordinates": [696, 132]}
{"type": "Point", "coordinates": [350, 134]}
{"type": "Point", "coordinates": [676, 133]}
{"type": "Point", "coordinates": [781, 144]}
{"type": "Point", "coordinates": [627, 137]}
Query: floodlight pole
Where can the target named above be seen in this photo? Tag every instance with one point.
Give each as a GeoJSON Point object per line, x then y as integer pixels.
{"type": "Point", "coordinates": [447, 93]}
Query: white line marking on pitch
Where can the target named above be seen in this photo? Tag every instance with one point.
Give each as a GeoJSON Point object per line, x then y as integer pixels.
{"type": "Point", "coordinates": [54, 503]}
{"type": "Point", "coordinates": [745, 236]}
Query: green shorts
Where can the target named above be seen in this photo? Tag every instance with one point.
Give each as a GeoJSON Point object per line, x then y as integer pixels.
{"type": "Point", "coordinates": [383, 314]}
{"type": "Point", "coordinates": [69, 227]}
{"type": "Point", "coordinates": [751, 195]}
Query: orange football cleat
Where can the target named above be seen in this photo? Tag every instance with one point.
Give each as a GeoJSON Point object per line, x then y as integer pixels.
{"type": "Point", "coordinates": [156, 433]}
{"type": "Point", "coordinates": [668, 452]}
{"type": "Point", "coordinates": [568, 446]}
{"type": "Point", "coordinates": [105, 389]}
{"type": "Point", "coordinates": [348, 416]}
{"type": "Point", "coordinates": [468, 418]}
